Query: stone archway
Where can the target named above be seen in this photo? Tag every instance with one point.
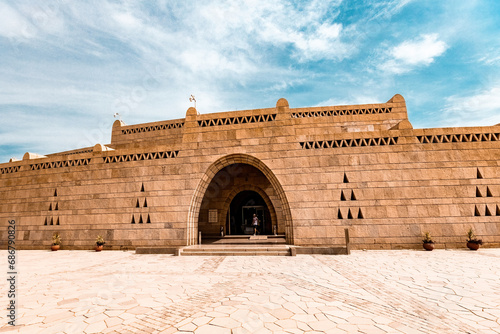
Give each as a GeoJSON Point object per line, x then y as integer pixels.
{"type": "Point", "coordinates": [226, 162]}
{"type": "Point", "coordinates": [257, 190]}
{"type": "Point", "coordinates": [269, 207]}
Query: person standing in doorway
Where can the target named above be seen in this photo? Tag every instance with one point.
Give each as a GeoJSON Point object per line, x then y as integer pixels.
{"type": "Point", "coordinates": [255, 224]}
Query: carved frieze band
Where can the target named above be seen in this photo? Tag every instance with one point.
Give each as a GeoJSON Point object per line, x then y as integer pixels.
{"type": "Point", "coordinates": [237, 120]}
{"type": "Point", "coordinates": [341, 112]}
{"type": "Point", "coordinates": [150, 128]}
{"type": "Point", "coordinates": [60, 164]}
{"type": "Point", "coordinates": [459, 138]}
{"type": "Point", "coordinates": [141, 156]}
{"type": "Point", "coordinates": [8, 170]}
{"type": "Point", "coordinates": [357, 142]}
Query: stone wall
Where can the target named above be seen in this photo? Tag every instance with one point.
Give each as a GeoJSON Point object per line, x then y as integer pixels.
{"type": "Point", "coordinates": [363, 167]}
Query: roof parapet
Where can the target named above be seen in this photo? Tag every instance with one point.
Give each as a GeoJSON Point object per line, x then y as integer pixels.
{"type": "Point", "coordinates": [30, 156]}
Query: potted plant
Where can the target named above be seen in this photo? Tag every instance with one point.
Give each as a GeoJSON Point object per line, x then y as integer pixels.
{"type": "Point", "coordinates": [428, 243]}
{"type": "Point", "coordinates": [99, 243]}
{"type": "Point", "coordinates": [473, 242]}
{"type": "Point", "coordinates": [56, 242]}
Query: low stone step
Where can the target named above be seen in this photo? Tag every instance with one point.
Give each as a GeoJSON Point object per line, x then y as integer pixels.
{"type": "Point", "coordinates": [239, 249]}
{"type": "Point", "coordinates": [235, 250]}
{"type": "Point", "coordinates": [258, 237]}
{"type": "Point", "coordinates": [235, 253]}
{"type": "Point", "coordinates": [237, 240]}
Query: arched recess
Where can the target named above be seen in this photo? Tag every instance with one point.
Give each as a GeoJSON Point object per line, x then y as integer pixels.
{"type": "Point", "coordinates": [259, 191]}
{"type": "Point", "coordinates": [194, 207]}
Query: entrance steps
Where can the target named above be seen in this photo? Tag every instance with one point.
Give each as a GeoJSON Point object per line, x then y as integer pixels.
{"type": "Point", "coordinates": [247, 245]}
{"type": "Point", "coordinates": [235, 250]}
{"type": "Point", "coordinates": [245, 240]}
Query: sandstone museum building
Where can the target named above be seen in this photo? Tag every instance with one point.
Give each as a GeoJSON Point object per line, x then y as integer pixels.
{"type": "Point", "coordinates": [307, 173]}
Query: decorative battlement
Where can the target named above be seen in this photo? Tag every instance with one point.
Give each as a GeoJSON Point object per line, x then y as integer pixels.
{"type": "Point", "coordinates": [11, 169]}
{"type": "Point", "coordinates": [366, 117]}
{"type": "Point", "coordinates": [42, 165]}
{"type": "Point", "coordinates": [148, 128]}
{"type": "Point", "coordinates": [341, 112]}
{"type": "Point", "coordinates": [237, 120]}
{"type": "Point", "coordinates": [373, 120]}
{"type": "Point", "coordinates": [59, 164]}
{"type": "Point", "coordinates": [458, 138]}
{"type": "Point", "coordinates": [140, 156]}
{"type": "Point", "coordinates": [359, 142]}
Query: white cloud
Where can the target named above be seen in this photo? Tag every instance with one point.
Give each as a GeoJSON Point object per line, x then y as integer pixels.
{"type": "Point", "coordinates": [23, 23]}
{"type": "Point", "coordinates": [323, 43]}
{"type": "Point", "coordinates": [79, 62]}
{"type": "Point", "coordinates": [352, 100]}
{"type": "Point", "coordinates": [419, 52]}
{"type": "Point", "coordinates": [310, 31]}
{"type": "Point", "coordinates": [383, 10]}
{"type": "Point", "coordinates": [13, 24]}
{"type": "Point", "coordinates": [127, 20]}
{"type": "Point", "coordinates": [411, 54]}
{"type": "Point", "coordinates": [483, 108]}
{"type": "Point", "coordinates": [490, 57]}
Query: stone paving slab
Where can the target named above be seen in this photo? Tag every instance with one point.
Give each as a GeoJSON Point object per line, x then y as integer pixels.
{"type": "Point", "coordinates": [406, 291]}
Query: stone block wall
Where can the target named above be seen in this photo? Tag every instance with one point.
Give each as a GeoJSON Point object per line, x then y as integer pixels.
{"type": "Point", "coordinates": [328, 168]}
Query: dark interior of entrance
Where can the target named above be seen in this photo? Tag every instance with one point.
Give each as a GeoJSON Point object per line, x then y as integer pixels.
{"type": "Point", "coordinates": [240, 214]}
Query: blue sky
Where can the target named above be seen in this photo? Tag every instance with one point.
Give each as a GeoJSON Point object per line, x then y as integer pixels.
{"type": "Point", "coordinates": [66, 67]}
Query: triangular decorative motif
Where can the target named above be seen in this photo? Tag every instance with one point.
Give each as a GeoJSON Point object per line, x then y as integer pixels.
{"type": "Point", "coordinates": [339, 215]}
{"type": "Point", "coordinates": [145, 203]}
{"type": "Point", "coordinates": [133, 220]}
{"type": "Point", "coordinates": [46, 221]}
{"type": "Point", "coordinates": [498, 211]}
{"type": "Point", "coordinates": [57, 222]}
{"type": "Point", "coordinates": [55, 193]}
{"type": "Point", "coordinates": [51, 221]}
{"type": "Point", "coordinates": [50, 207]}
{"type": "Point", "coordinates": [488, 192]}
{"type": "Point", "coordinates": [478, 193]}
{"type": "Point", "coordinates": [346, 180]}
{"type": "Point", "coordinates": [342, 196]}
{"type": "Point", "coordinates": [140, 219]}
{"type": "Point", "coordinates": [360, 214]}
{"type": "Point", "coordinates": [349, 214]}
{"type": "Point", "coordinates": [149, 220]}
{"type": "Point", "coordinates": [479, 175]}
{"type": "Point", "coordinates": [57, 206]}
{"type": "Point", "coordinates": [353, 197]}
{"type": "Point", "coordinates": [476, 212]}
{"type": "Point", "coordinates": [487, 211]}
{"type": "Point", "coordinates": [137, 205]}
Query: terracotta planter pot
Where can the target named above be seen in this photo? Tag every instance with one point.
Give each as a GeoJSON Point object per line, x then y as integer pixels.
{"type": "Point", "coordinates": [473, 246]}
{"type": "Point", "coordinates": [98, 248]}
{"type": "Point", "coordinates": [428, 246]}
{"type": "Point", "coordinates": [55, 247]}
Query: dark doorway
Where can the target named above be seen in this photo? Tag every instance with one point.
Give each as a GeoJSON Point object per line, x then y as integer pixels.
{"type": "Point", "coordinates": [241, 210]}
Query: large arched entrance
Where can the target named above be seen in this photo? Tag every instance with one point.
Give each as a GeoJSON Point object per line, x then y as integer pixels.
{"type": "Point", "coordinates": [232, 189]}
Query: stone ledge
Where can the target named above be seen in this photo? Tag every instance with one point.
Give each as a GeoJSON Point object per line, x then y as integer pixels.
{"type": "Point", "coordinates": [321, 250]}
{"type": "Point", "coordinates": [156, 250]}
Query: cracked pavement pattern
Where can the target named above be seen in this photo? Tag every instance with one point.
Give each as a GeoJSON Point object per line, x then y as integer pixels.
{"type": "Point", "coordinates": [403, 291]}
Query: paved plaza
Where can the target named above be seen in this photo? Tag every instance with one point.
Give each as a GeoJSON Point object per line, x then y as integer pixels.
{"type": "Point", "coordinates": [444, 291]}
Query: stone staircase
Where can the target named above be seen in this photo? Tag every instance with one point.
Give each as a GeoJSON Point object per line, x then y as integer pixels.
{"type": "Point", "coordinates": [245, 245]}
